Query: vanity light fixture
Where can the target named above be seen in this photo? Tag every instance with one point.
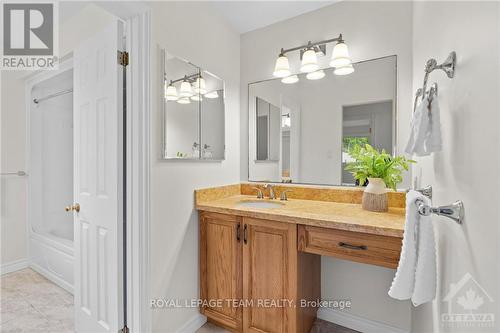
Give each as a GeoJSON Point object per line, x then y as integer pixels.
{"type": "Point", "coordinates": [282, 66]}
{"type": "Point", "coordinates": [212, 94]}
{"type": "Point", "coordinates": [309, 58]}
{"type": "Point", "coordinates": [317, 75]}
{"type": "Point", "coordinates": [290, 79]}
{"type": "Point", "coordinates": [185, 90]}
{"type": "Point", "coordinates": [171, 92]}
{"type": "Point", "coordinates": [183, 100]}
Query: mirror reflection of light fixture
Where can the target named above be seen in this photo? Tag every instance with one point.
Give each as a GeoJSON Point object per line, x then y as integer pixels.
{"type": "Point", "coordinates": [212, 94]}
{"type": "Point", "coordinates": [186, 90]}
{"type": "Point", "coordinates": [197, 98]}
{"type": "Point", "coordinates": [290, 79]}
{"type": "Point", "coordinates": [199, 86]}
{"type": "Point", "coordinates": [309, 61]}
{"type": "Point", "coordinates": [171, 92]}
{"type": "Point", "coordinates": [282, 67]}
{"type": "Point", "coordinates": [183, 100]}
{"type": "Point", "coordinates": [340, 55]}
{"type": "Point", "coordinates": [317, 75]}
{"type": "Point", "coordinates": [343, 70]}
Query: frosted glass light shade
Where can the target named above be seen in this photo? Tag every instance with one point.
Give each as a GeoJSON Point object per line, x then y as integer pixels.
{"type": "Point", "coordinates": [344, 70]}
{"type": "Point", "coordinates": [340, 56]}
{"type": "Point", "coordinates": [317, 75]}
{"type": "Point", "coordinates": [290, 79]}
{"type": "Point", "coordinates": [309, 62]}
{"type": "Point", "coordinates": [185, 90]}
{"type": "Point", "coordinates": [212, 94]}
{"type": "Point", "coordinates": [183, 100]}
{"type": "Point", "coordinates": [199, 86]}
{"type": "Point", "coordinates": [171, 93]}
{"type": "Point", "coordinates": [282, 67]}
{"type": "Point", "coordinates": [197, 98]}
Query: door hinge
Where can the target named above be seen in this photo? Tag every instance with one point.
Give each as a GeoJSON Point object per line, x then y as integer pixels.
{"type": "Point", "coordinates": [125, 329]}
{"type": "Point", "coordinates": [123, 58]}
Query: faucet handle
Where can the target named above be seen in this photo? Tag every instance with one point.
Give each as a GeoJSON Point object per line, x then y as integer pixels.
{"type": "Point", "coordinates": [260, 195]}
{"type": "Point", "coordinates": [283, 195]}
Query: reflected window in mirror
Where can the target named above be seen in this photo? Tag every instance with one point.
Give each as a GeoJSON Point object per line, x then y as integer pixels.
{"type": "Point", "coordinates": [319, 119]}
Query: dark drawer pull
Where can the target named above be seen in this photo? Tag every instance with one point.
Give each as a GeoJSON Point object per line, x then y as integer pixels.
{"type": "Point", "coordinates": [238, 232]}
{"type": "Point", "coordinates": [352, 247]}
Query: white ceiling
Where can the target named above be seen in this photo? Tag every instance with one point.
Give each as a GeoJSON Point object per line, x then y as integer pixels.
{"type": "Point", "coordinates": [246, 16]}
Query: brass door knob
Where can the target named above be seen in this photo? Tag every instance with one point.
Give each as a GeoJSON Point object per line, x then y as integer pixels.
{"type": "Point", "coordinates": [74, 207]}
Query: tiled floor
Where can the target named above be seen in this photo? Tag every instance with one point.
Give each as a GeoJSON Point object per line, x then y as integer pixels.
{"type": "Point", "coordinates": [31, 303]}
{"type": "Point", "coordinates": [320, 326]}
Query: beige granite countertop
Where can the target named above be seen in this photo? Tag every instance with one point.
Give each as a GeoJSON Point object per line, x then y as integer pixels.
{"type": "Point", "coordinates": [327, 214]}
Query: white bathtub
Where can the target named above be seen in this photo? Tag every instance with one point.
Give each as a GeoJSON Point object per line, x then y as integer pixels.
{"type": "Point", "coordinates": [50, 177]}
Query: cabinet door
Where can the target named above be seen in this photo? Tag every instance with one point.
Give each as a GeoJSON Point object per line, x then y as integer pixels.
{"type": "Point", "coordinates": [269, 276]}
{"type": "Point", "coordinates": [221, 268]}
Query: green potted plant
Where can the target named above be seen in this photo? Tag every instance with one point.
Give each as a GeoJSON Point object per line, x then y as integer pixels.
{"type": "Point", "coordinates": [380, 169]}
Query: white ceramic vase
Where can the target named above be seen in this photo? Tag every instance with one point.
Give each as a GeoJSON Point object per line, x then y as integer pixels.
{"type": "Point", "coordinates": [375, 196]}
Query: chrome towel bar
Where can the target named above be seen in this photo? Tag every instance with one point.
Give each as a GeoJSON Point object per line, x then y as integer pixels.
{"type": "Point", "coordinates": [455, 211]}
{"type": "Point", "coordinates": [19, 173]}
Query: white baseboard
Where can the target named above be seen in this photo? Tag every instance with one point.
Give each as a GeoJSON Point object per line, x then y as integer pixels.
{"type": "Point", "coordinates": [193, 324]}
{"type": "Point", "coordinates": [52, 277]}
{"type": "Point", "coordinates": [356, 323]}
{"type": "Point", "coordinates": [13, 266]}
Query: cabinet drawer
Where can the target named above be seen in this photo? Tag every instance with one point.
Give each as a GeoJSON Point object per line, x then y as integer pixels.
{"type": "Point", "coordinates": [361, 247]}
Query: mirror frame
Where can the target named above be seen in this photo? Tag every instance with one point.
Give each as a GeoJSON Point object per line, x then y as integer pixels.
{"type": "Point", "coordinates": [162, 52]}
{"type": "Point", "coordinates": [394, 122]}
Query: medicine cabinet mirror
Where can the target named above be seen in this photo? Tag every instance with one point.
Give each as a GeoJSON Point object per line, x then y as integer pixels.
{"type": "Point", "coordinates": [300, 132]}
{"type": "Point", "coordinates": [193, 111]}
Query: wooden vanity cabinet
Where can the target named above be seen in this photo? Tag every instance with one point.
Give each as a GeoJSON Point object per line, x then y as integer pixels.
{"type": "Point", "coordinates": [263, 268]}
{"type": "Point", "coordinates": [221, 268]}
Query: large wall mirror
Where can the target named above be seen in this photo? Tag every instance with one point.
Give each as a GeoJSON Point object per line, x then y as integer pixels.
{"type": "Point", "coordinates": [193, 111]}
{"type": "Point", "coordinates": [300, 132]}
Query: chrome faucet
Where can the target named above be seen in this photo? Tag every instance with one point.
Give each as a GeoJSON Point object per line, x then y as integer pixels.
{"type": "Point", "coordinates": [260, 195]}
{"type": "Point", "coordinates": [272, 194]}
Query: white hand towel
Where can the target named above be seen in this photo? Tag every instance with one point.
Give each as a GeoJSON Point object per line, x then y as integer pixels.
{"type": "Point", "coordinates": [433, 140]}
{"type": "Point", "coordinates": [416, 274]}
{"type": "Point", "coordinates": [419, 130]}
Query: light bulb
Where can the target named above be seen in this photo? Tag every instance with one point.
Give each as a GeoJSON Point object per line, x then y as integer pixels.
{"type": "Point", "coordinates": [185, 90]}
{"type": "Point", "coordinates": [340, 55]}
{"type": "Point", "coordinates": [344, 70]}
{"type": "Point", "coordinates": [199, 86]}
{"type": "Point", "coordinates": [317, 75]}
{"type": "Point", "coordinates": [309, 61]}
{"type": "Point", "coordinates": [282, 67]}
{"type": "Point", "coordinates": [183, 100]}
{"type": "Point", "coordinates": [212, 94]}
{"type": "Point", "coordinates": [171, 93]}
{"type": "Point", "coordinates": [290, 79]}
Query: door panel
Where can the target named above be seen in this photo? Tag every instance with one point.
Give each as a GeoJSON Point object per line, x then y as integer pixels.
{"type": "Point", "coordinates": [220, 258]}
{"type": "Point", "coordinates": [269, 275]}
{"type": "Point", "coordinates": [98, 163]}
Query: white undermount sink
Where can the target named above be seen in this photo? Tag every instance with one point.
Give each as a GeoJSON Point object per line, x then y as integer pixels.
{"type": "Point", "coordinates": [259, 204]}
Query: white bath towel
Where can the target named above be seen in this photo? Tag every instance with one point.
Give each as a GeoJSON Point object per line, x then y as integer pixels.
{"type": "Point", "coordinates": [419, 130]}
{"type": "Point", "coordinates": [433, 141]}
{"type": "Point", "coordinates": [415, 277]}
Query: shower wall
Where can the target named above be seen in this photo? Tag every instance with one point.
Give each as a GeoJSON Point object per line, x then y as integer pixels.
{"type": "Point", "coordinates": [51, 157]}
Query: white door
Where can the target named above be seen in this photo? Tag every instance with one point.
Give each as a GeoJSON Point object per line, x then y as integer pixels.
{"type": "Point", "coordinates": [98, 167]}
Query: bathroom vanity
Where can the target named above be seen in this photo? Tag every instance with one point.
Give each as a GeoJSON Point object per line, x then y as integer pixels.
{"type": "Point", "coordinates": [260, 259]}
